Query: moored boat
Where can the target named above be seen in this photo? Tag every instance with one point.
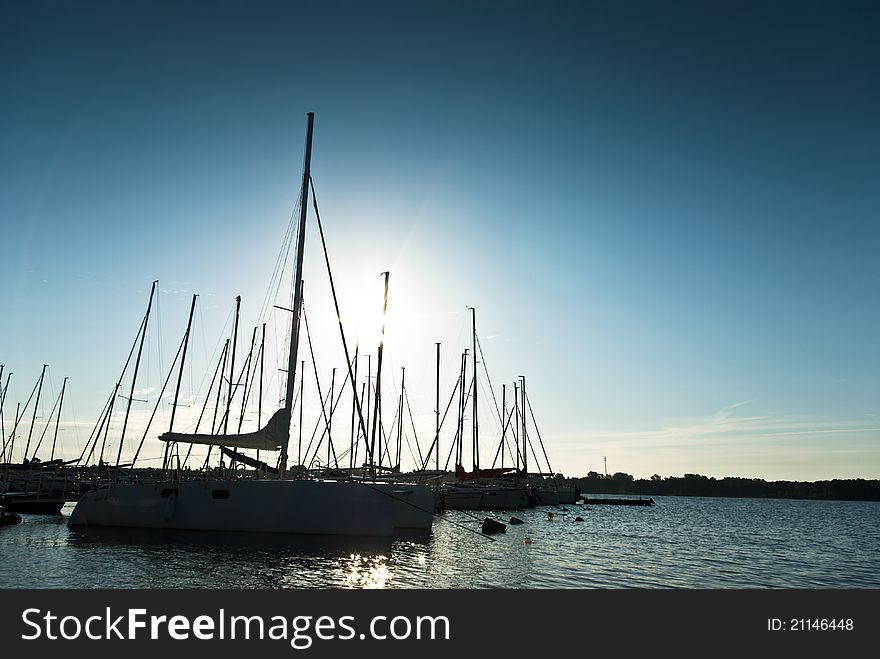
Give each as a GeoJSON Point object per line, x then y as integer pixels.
{"type": "Point", "coordinates": [275, 505]}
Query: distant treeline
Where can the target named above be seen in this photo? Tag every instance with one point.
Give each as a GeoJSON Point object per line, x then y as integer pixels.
{"type": "Point", "coordinates": [695, 485]}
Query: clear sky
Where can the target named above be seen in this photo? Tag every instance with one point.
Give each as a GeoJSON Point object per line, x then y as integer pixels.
{"type": "Point", "coordinates": [665, 214]}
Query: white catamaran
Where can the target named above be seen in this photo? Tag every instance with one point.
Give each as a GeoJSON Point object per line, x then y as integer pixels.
{"type": "Point", "coordinates": [275, 505]}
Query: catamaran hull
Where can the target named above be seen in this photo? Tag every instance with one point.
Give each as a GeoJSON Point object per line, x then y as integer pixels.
{"type": "Point", "coordinates": [267, 506]}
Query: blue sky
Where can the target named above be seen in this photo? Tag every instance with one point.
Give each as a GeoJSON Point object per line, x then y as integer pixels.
{"type": "Point", "coordinates": [665, 214]}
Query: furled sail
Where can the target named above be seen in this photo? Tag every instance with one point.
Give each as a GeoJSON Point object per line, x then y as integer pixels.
{"type": "Point", "coordinates": [248, 460]}
{"type": "Point", "coordinates": [271, 437]}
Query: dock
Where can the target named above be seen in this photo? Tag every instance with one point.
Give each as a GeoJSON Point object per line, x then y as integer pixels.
{"type": "Point", "coordinates": [618, 502]}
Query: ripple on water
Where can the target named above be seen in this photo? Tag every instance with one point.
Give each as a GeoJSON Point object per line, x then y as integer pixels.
{"type": "Point", "coordinates": [682, 542]}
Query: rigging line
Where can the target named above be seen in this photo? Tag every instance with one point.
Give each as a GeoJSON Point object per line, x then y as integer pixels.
{"type": "Point", "coordinates": [158, 402]}
{"type": "Point", "coordinates": [488, 379]}
{"type": "Point", "coordinates": [334, 405]}
{"type": "Point", "coordinates": [246, 367]}
{"type": "Point", "coordinates": [93, 433]}
{"type": "Point", "coordinates": [281, 260]}
{"type": "Point", "coordinates": [409, 503]}
{"type": "Point", "coordinates": [339, 320]}
{"type": "Point", "coordinates": [318, 382]}
{"type": "Point", "coordinates": [204, 407]}
{"type": "Point", "coordinates": [413, 424]}
{"type": "Point", "coordinates": [535, 423]}
{"type": "Point", "coordinates": [504, 441]}
{"type": "Point", "coordinates": [74, 427]}
{"type": "Point", "coordinates": [40, 442]}
{"type": "Point", "coordinates": [437, 436]}
{"type": "Point", "coordinates": [315, 431]}
{"type": "Point", "coordinates": [384, 437]}
{"type": "Point", "coordinates": [159, 330]}
{"type": "Point", "coordinates": [453, 444]}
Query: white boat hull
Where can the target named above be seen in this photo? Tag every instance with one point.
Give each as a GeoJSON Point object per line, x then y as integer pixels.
{"type": "Point", "coordinates": [268, 506]}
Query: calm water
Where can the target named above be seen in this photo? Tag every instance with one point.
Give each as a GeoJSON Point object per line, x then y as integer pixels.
{"type": "Point", "coordinates": [682, 542]}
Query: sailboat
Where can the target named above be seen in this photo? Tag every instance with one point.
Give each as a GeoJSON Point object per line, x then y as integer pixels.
{"type": "Point", "coordinates": [274, 505]}
{"type": "Point", "coordinates": [35, 486]}
{"type": "Point", "coordinates": [481, 489]}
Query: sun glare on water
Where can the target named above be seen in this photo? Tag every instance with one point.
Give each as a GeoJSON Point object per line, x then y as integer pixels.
{"type": "Point", "coordinates": [367, 572]}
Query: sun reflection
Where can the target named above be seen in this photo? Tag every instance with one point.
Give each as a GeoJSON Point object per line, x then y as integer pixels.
{"type": "Point", "coordinates": [367, 572]}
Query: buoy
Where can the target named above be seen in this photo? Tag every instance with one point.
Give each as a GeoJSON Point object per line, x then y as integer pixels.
{"type": "Point", "coordinates": [527, 540]}
{"type": "Point", "coordinates": [516, 520]}
{"type": "Point", "coordinates": [551, 517]}
{"type": "Point", "coordinates": [493, 526]}
{"type": "Point", "coordinates": [579, 519]}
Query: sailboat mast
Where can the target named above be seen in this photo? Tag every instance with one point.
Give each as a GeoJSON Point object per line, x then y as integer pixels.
{"type": "Point", "coordinates": [58, 419]}
{"type": "Point", "coordinates": [302, 400]}
{"type": "Point", "coordinates": [400, 416]}
{"type": "Point", "coordinates": [525, 442]}
{"type": "Point", "coordinates": [352, 446]}
{"type": "Point", "coordinates": [330, 418]}
{"type": "Point", "coordinates": [461, 403]}
{"type": "Point", "coordinates": [14, 428]}
{"type": "Point", "coordinates": [192, 309]}
{"type": "Point", "coordinates": [369, 387]}
{"type": "Point", "coordinates": [437, 416]}
{"type": "Point", "coordinates": [231, 386]}
{"type": "Point", "coordinates": [297, 289]}
{"type": "Point", "coordinates": [137, 364]}
{"type": "Point", "coordinates": [476, 431]}
{"type": "Point", "coordinates": [503, 417]}
{"type": "Point", "coordinates": [2, 401]}
{"type": "Point", "coordinates": [260, 390]}
{"type": "Point", "coordinates": [377, 404]}
{"type": "Point", "coordinates": [34, 419]}
{"type": "Point", "coordinates": [516, 425]}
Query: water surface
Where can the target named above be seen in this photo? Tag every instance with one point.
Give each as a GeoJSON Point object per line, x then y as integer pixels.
{"type": "Point", "coordinates": [682, 542]}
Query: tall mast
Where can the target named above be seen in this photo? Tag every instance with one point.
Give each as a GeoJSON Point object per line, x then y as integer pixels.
{"type": "Point", "coordinates": [137, 364]}
{"type": "Point", "coordinates": [525, 440]}
{"type": "Point", "coordinates": [2, 401]}
{"type": "Point", "coordinates": [503, 417]}
{"type": "Point", "coordinates": [297, 289]}
{"type": "Point", "coordinates": [352, 450]}
{"type": "Point", "coordinates": [437, 416]}
{"type": "Point", "coordinates": [260, 391]}
{"type": "Point", "coordinates": [192, 309]}
{"type": "Point", "coordinates": [246, 370]}
{"type": "Point", "coordinates": [34, 419]}
{"type": "Point", "coordinates": [377, 409]}
{"type": "Point", "coordinates": [58, 419]}
{"type": "Point", "coordinates": [369, 387]}
{"type": "Point", "coordinates": [476, 430]}
{"type": "Point", "coordinates": [262, 366]}
{"type": "Point", "coordinates": [461, 403]}
{"type": "Point", "coordinates": [231, 387]}
{"type": "Point", "coordinates": [516, 425]}
{"type": "Point", "coordinates": [14, 428]}
{"type": "Point", "coordinates": [400, 416]}
{"type": "Point", "coordinates": [330, 419]}
{"type": "Point", "coordinates": [302, 400]}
